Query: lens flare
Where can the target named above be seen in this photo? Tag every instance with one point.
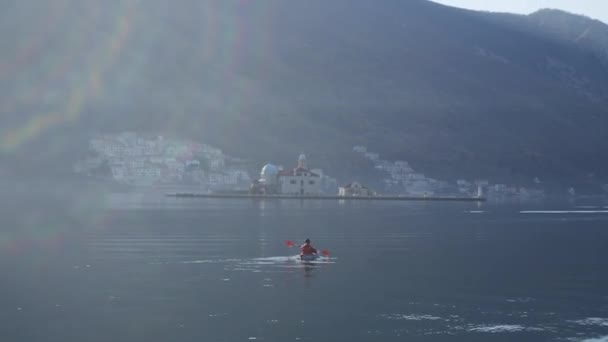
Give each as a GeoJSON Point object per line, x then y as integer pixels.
{"type": "Point", "coordinates": [90, 76]}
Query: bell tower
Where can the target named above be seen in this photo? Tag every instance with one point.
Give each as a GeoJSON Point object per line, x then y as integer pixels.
{"type": "Point", "coordinates": [302, 161]}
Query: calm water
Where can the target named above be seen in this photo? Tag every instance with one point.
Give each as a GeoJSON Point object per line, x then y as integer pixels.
{"type": "Point", "coordinates": [148, 268]}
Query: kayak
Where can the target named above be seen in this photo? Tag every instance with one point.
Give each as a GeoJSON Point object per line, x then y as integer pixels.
{"type": "Point", "coordinates": [310, 257]}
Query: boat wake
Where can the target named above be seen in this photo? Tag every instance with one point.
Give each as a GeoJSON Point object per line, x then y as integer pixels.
{"type": "Point", "coordinates": [259, 264]}
{"type": "Point", "coordinates": [289, 260]}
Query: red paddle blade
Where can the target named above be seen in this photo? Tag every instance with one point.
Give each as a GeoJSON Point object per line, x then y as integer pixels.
{"type": "Point", "coordinates": [325, 252]}
{"type": "Point", "coordinates": [289, 243]}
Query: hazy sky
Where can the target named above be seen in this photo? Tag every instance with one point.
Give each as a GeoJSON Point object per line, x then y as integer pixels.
{"type": "Point", "coordinates": [597, 9]}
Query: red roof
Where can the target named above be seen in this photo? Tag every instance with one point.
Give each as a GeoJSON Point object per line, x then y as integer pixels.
{"type": "Point", "coordinates": [297, 172]}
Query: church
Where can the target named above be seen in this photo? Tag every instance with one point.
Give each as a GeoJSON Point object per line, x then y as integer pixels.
{"type": "Point", "coordinates": [300, 180]}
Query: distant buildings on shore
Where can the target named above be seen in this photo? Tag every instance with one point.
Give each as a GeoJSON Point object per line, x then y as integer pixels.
{"type": "Point", "coordinates": [355, 189]}
{"type": "Point", "coordinates": [401, 178]}
{"type": "Point", "coordinates": [130, 158]}
{"type": "Point", "coordinates": [296, 181]}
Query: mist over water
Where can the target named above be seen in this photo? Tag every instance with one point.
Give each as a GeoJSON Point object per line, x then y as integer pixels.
{"type": "Point", "coordinates": [133, 267]}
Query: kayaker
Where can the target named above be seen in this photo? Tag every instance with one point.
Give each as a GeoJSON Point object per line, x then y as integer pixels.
{"type": "Point", "coordinates": [307, 248]}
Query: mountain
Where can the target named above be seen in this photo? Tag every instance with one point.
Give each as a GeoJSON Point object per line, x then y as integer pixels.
{"type": "Point", "coordinates": [580, 31]}
{"type": "Point", "coordinates": [585, 32]}
{"type": "Point", "coordinates": [457, 93]}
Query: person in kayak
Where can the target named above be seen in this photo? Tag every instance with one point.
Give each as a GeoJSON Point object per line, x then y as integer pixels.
{"type": "Point", "coordinates": [307, 249]}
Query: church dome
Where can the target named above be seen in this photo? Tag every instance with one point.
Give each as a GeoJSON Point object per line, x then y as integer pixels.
{"type": "Point", "coordinates": [269, 172]}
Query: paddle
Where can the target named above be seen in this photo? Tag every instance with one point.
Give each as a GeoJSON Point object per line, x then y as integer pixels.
{"type": "Point", "coordinates": [290, 243]}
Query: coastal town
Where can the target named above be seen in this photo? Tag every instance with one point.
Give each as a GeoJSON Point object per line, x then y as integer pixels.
{"type": "Point", "coordinates": [134, 159]}
{"type": "Point", "coordinates": [400, 177]}
{"type": "Point", "coordinates": [145, 160]}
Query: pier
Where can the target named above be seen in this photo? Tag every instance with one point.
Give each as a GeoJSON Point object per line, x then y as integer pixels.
{"type": "Point", "coordinates": [329, 197]}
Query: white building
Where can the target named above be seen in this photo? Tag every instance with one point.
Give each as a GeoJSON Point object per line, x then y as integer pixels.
{"type": "Point", "coordinates": [372, 156]}
{"type": "Point", "coordinates": [360, 149]}
{"type": "Point", "coordinates": [481, 185]}
{"type": "Point", "coordinates": [300, 181]}
{"type": "Point", "coordinates": [355, 189]}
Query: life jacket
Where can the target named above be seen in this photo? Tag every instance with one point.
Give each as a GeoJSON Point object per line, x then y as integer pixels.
{"type": "Point", "coordinates": [307, 250]}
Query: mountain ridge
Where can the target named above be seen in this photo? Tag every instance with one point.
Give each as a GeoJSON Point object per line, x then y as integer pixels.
{"type": "Point", "coordinates": [457, 93]}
